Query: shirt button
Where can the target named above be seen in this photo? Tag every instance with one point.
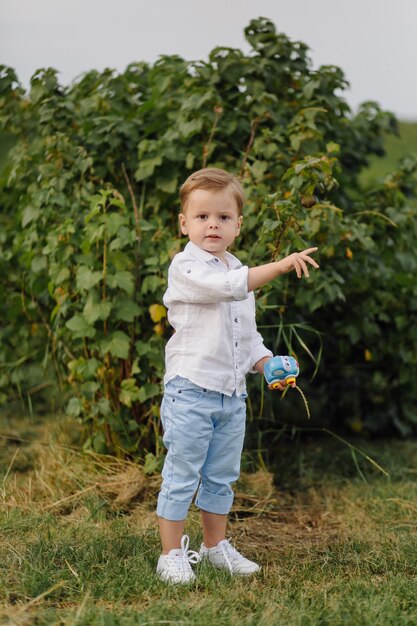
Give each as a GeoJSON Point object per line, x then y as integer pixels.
{"type": "Point", "coordinates": [188, 271]}
{"type": "Point", "coordinates": [235, 319]}
{"type": "Point", "coordinates": [217, 260]}
{"type": "Point", "coordinates": [236, 344]}
{"type": "Point", "coordinates": [237, 367]}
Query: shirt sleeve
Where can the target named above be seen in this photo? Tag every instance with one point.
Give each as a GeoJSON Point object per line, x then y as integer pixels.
{"type": "Point", "coordinates": [258, 349]}
{"type": "Point", "coordinates": [192, 281]}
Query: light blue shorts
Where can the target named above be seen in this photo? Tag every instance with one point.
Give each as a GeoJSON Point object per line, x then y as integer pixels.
{"type": "Point", "coordinates": [203, 433]}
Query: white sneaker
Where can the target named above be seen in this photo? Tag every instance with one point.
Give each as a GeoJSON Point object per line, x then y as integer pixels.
{"type": "Point", "coordinates": [225, 556]}
{"type": "Point", "coordinates": [175, 567]}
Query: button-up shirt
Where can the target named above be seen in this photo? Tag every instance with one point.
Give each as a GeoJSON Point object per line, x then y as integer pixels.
{"type": "Point", "coordinates": [215, 343]}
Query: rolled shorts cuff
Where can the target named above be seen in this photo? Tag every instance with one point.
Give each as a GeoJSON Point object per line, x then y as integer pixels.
{"type": "Point", "coordinates": [212, 503]}
{"type": "Point", "coordinates": [172, 510]}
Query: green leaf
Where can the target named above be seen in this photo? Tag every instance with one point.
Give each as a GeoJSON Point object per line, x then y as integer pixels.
{"type": "Point", "coordinates": [190, 128]}
{"type": "Point", "coordinates": [129, 392]}
{"type": "Point", "coordinates": [86, 278]}
{"type": "Point", "coordinates": [169, 185]}
{"type": "Point", "coordinates": [74, 407]}
{"type": "Point", "coordinates": [90, 368]}
{"type": "Point", "coordinates": [104, 407]}
{"type": "Point", "coordinates": [135, 367]}
{"type": "Point", "coordinates": [148, 390]}
{"type": "Point", "coordinates": [60, 275]}
{"type": "Point", "coordinates": [142, 348]}
{"type": "Point", "coordinates": [39, 264]}
{"type": "Point", "coordinates": [80, 327]}
{"type": "Point", "coordinates": [151, 284]}
{"type": "Point", "coordinates": [126, 310]}
{"type": "Point", "coordinates": [309, 88]}
{"type": "Point", "coordinates": [270, 225]}
{"type": "Point", "coordinates": [83, 368]}
{"type": "Point", "coordinates": [258, 168]}
{"type": "Point", "coordinates": [332, 147]}
{"type": "Point", "coordinates": [123, 279]}
{"type": "Point", "coordinates": [147, 167]}
{"type": "Point", "coordinates": [30, 214]}
{"type": "Point", "coordinates": [152, 464]}
{"type": "Point", "coordinates": [94, 311]}
{"type": "Point", "coordinates": [117, 344]}
{"type": "Point", "coordinates": [189, 162]}
{"type": "Point", "coordinates": [90, 387]}
{"type": "Point", "coordinates": [114, 222]}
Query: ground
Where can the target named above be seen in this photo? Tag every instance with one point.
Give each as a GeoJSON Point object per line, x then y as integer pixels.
{"type": "Point", "coordinates": [335, 535]}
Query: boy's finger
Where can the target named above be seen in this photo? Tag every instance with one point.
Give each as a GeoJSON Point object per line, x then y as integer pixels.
{"type": "Point", "coordinates": [304, 267]}
{"type": "Point", "coordinates": [311, 261]}
{"type": "Point", "coordinates": [309, 250]}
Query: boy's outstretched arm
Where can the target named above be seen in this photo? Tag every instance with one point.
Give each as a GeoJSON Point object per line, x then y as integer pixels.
{"type": "Point", "coordinates": [297, 261]}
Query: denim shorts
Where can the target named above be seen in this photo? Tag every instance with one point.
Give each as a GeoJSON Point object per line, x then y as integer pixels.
{"type": "Point", "coordinates": [203, 433]}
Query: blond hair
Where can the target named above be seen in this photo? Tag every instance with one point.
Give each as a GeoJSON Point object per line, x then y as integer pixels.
{"type": "Point", "coordinates": [212, 178]}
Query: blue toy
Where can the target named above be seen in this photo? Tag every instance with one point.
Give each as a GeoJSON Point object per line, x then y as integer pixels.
{"type": "Point", "coordinates": [281, 369]}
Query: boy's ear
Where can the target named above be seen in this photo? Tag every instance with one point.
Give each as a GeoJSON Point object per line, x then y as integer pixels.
{"type": "Point", "coordinates": [239, 224]}
{"type": "Point", "coordinates": [181, 218]}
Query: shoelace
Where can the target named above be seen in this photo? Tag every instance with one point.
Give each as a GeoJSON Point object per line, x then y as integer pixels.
{"type": "Point", "coordinates": [187, 556]}
{"type": "Point", "coordinates": [229, 551]}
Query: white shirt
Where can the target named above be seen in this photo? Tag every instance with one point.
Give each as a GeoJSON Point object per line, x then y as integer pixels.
{"type": "Point", "coordinates": [216, 342]}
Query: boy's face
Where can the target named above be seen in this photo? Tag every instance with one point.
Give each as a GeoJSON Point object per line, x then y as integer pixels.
{"type": "Point", "coordinates": [211, 220]}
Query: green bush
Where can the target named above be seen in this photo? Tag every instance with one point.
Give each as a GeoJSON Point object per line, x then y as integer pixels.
{"type": "Point", "coordinates": [89, 206]}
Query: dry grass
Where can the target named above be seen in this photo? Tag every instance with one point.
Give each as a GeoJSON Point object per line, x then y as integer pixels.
{"type": "Point", "coordinates": [62, 477]}
{"type": "Point", "coordinates": [62, 474]}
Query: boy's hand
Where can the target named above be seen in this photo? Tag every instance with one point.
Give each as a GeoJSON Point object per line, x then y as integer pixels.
{"type": "Point", "coordinates": [262, 274]}
{"type": "Point", "coordinates": [298, 261]}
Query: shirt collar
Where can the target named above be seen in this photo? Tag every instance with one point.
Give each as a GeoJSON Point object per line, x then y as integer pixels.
{"type": "Point", "coordinates": [205, 256]}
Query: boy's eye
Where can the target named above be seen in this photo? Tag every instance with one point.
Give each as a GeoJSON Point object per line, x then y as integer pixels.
{"type": "Point", "coordinates": [224, 218]}
{"type": "Point", "coordinates": [202, 217]}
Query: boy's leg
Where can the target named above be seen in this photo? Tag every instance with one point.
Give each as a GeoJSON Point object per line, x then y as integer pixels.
{"type": "Point", "coordinates": [171, 533]}
{"type": "Point", "coordinates": [221, 468]}
{"type": "Point", "coordinates": [185, 415]}
{"type": "Point", "coordinates": [214, 528]}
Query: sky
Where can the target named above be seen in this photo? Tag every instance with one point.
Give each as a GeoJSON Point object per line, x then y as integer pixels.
{"type": "Point", "coordinates": [373, 41]}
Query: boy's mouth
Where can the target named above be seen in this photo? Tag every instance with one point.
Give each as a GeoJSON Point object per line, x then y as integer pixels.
{"type": "Point", "coordinates": [213, 237]}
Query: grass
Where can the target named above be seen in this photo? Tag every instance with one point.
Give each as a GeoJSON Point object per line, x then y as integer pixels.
{"type": "Point", "coordinates": [396, 148]}
{"type": "Point", "coordinates": [79, 540]}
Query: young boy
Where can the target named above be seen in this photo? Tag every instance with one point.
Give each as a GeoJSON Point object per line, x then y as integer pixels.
{"type": "Point", "coordinates": [211, 306]}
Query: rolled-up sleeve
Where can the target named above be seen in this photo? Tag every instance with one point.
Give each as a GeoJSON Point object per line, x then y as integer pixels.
{"type": "Point", "coordinates": [257, 348]}
{"type": "Point", "coordinates": [258, 351]}
{"type": "Point", "coordinates": [194, 282]}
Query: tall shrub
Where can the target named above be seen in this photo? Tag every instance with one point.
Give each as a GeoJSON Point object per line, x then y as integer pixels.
{"type": "Point", "coordinates": [88, 214]}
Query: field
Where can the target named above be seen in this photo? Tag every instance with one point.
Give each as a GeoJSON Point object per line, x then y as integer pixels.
{"type": "Point", "coordinates": [396, 148]}
{"type": "Point", "coordinates": [336, 537]}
